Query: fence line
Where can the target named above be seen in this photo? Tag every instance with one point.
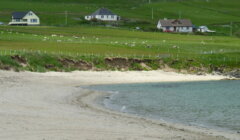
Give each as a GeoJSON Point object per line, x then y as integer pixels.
{"type": "Point", "coordinates": [204, 57]}
{"type": "Point", "coordinates": [22, 52]}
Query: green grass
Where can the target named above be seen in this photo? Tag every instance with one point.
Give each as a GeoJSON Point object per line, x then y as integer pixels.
{"type": "Point", "coordinates": [83, 40]}
{"type": "Point", "coordinates": [6, 63]}
{"type": "Point", "coordinates": [177, 50]}
{"type": "Point", "coordinates": [214, 13]}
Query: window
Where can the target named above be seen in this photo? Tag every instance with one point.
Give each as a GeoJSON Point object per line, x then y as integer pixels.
{"type": "Point", "coordinates": [30, 14]}
{"type": "Point", "coordinates": [17, 20]}
{"type": "Point", "coordinates": [112, 16]}
{"type": "Point", "coordinates": [102, 16]}
{"type": "Point", "coordinates": [34, 20]}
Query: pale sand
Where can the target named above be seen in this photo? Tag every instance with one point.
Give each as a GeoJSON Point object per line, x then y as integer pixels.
{"type": "Point", "coordinates": [52, 106]}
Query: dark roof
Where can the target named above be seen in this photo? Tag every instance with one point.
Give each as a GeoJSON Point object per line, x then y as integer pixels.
{"type": "Point", "coordinates": [102, 11]}
{"type": "Point", "coordinates": [176, 22]}
{"type": "Point", "coordinates": [19, 15]}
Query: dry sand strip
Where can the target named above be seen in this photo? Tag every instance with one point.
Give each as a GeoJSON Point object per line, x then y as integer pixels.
{"type": "Point", "coordinates": [52, 106]}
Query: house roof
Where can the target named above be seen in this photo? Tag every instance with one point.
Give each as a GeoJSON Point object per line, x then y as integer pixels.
{"type": "Point", "coordinates": [102, 11]}
{"type": "Point", "coordinates": [19, 15]}
{"type": "Point", "coordinates": [176, 23]}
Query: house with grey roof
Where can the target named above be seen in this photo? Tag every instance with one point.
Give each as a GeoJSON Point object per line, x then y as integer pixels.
{"type": "Point", "coordinates": [175, 25]}
{"type": "Point", "coordinates": [24, 19]}
{"type": "Point", "coordinates": [103, 14]}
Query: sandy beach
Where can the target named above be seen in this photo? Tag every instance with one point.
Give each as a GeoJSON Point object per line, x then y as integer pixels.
{"type": "Point", "coordinates": [53, 106]}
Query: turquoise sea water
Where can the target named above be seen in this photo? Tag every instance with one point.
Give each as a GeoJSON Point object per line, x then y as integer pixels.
{"type": "Point", "coordinates": [213, 104]}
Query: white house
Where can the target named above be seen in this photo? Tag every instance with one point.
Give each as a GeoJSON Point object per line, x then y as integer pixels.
{"type": "Point", "coordinates": [24, 19]}
{"type": "Point", "coordinates": [103, 14]}
{"type": "Point", "coordinates": [175, 25]}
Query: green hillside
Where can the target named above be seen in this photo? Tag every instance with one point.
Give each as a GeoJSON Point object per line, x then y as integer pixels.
{"type": "Point", "coordinates": [215, 13]}
{"type": "Point", "coordinates": [50, 45]}
{"type": "Point", "coordinates": [177, 51]}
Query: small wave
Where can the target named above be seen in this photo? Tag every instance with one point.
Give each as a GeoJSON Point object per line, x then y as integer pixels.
{"type": "Point", "coordinates": [123, 108]}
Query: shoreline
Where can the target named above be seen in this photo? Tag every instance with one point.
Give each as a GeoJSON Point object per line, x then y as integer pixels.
{"type": "Point", "coordinates": [93, 100]}
{"type": "Point", "coordinates": [54, 106]}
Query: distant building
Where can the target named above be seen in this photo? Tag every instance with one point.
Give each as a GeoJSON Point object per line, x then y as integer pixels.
{"type": "Point", "coordinates": [175, 25]}
{"type": "Point", "coordinates": [24, 19]}
{"type": "Point", "coordinates": [103, 14]}
{"type": "Point", "coordinates": [204, 29]}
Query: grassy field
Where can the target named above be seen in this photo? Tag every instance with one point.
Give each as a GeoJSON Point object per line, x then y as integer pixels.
{"type": "Point", "coordinates": [217, 14]}
{"type": "Point", "coordinates": [179, 51]}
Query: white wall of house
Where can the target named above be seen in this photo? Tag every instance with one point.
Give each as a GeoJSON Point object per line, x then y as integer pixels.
{"type": "Point", "coordinates": [103, 17]}
{"type": "Point", "coordinates": [159, 26]}
{"type": "Point", "coordinates": [176, 29]}
{"type": "Point", "coordinates": [185, 29]}
{"type": "Point", "coordinates": [167, 29]}
{"type": "Point", "coordinates": [32, 19]}
{"type": "Point", "coordinates": [29, 19]}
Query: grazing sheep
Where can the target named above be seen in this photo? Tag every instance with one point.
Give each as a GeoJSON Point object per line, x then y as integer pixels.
{"type": "Point", "coordinates": [133, 45]}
